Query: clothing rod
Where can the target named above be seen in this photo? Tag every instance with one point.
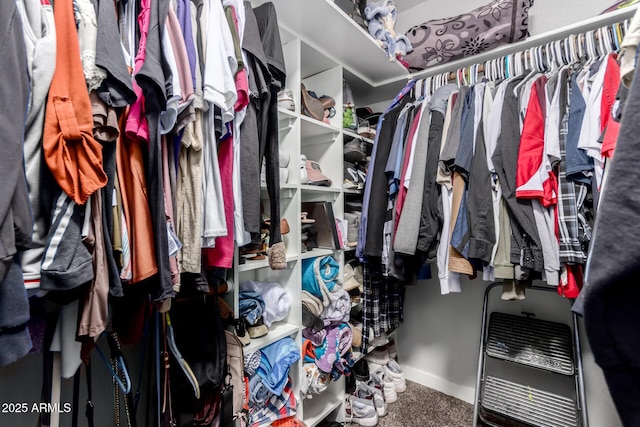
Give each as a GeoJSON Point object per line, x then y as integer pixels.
{"type": "Point", "coordinates": [533, 41]}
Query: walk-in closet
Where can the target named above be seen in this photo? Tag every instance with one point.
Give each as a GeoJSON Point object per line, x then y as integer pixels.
{"type": "Point", "coordinates": [331, 213]}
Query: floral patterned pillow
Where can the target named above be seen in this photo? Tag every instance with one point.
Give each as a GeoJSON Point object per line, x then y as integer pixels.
{"type": "Point", "coordinates": [440, 41]}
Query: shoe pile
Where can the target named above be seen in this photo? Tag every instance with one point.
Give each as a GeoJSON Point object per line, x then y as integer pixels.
{"type": "Point", "coordinates": [318, 107]}
{"type": "Point", "coordinates": [308, 232]}
{"type": "Point", "coordinates": [376, 386]}
{"type": "Point", "coordinates": [367, 122]}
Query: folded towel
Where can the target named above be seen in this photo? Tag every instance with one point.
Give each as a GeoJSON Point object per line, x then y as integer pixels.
{"type": "Point", "coordinates": [275, 361]}
{"type": "Point", "coordinates": [251, 362]}
{"type": "Point", "coordinates": [258, 392]}
{"type": "Point", "coordinates": [316, 337]}
{"type": "Point", "coordinates": [276, 299]}
{"type": "Point", "coordinates": [314, 380]}
{"type": "Point", "coordinates": [313, 304]}
{"type": "Point", "coordinates": [339, 307]}
{"type": "Point", "coordinates": [337, 344]}
{"type": "Point", "coordinates": [319, 276]}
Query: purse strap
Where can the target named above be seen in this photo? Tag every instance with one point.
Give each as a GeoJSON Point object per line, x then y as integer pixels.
{"type": "Point", "coordinates": [76, 397]}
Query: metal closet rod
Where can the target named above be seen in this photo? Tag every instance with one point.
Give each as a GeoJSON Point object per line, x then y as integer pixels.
{"type": "Point", "coordinates": [575, 47]}
{"type": "Point", "coordinates": [580, 29]}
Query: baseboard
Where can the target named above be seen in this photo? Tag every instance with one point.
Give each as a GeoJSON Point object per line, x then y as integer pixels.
{"type": "Point", "coordinates": [464, 393]}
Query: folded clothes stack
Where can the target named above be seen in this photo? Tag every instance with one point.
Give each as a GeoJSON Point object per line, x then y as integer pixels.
{"type": "Point", "coordinates": [270, 391]}
{"type": "Point", "coordinates": [260, 305]}
{"type": "Point", "coordinates": [327, 335]}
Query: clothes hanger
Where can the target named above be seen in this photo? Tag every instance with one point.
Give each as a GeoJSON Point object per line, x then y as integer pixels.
{"type": "Point", "coordinates": [591, 46]}
{"type": "Point", "coordinates": [566, 46]}
{"type": "Point", "coordinates": [184, 366]}
{"type": "Point", "coordinates": [580, 47]}
{"type": "Point", "coordinates": [116, 355]}
{"type": "Point", "coordinates": [550, 64]}
{"type": "Point", "coordinates": [543, 59]}
{"type": "Point", "coordinates": [558, 53]}
{"type": "Point", "coordinates": [616, 31]}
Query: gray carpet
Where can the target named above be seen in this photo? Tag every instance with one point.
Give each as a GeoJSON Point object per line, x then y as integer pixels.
{"type": "Point", "coordinates": [424, 407]}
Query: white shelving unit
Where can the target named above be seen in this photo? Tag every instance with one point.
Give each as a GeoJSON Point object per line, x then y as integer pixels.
{"type": "Point", "coordinates": [321, 142]}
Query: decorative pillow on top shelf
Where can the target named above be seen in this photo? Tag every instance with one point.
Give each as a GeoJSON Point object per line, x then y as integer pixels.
{"type": "Point", "coordinates": [444, 40]}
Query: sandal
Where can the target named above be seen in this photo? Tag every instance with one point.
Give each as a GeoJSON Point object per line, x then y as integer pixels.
{"type": "Point", "coordinates": [305, 220]}
{"type": "Point", "coordinates": [284, 225]}
{"type": "Point", "coordinates": [311, 106]}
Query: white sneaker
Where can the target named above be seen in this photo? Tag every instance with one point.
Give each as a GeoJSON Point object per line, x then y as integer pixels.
{"type": "Point", "coordinates": [304, 177]}
{"type": "Point", "coordinates": [369, 392]}
{"type": "Point", "coordinates": [285, 99]}
{"type": "Point", "coordinates": [396, 376]}
{"type": "Point", "coordinates": [283, 158]}
{"type": "Point", "coordinates": [360, 411]}
{"type": "Point", "coordinates": [379, 378]}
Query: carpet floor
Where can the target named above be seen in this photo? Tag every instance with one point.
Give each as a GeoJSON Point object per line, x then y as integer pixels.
{"type": "Point", "coordinates": [424, 407]}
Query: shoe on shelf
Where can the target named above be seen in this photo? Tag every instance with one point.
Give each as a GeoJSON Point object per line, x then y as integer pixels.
{"type": "Point", "coordinates": [351, 177]}
{"type": "Point", "coordinates": [304, 218]}
{"type": "Point", "coordinates": [283, 158]}
{"type": "Point", "coordinates": [353, 151]}
{"type": "Point", "coordinates": [349, 278]}
{"type": "Point", "coordinates": [241, 331]}
{"type": "Point", "coordinates": [284, 225]}
{"type": "Point", "coordinates": [369, 392]}
{"type": "Point", "coordinates": [380, 380]}
{"type": "Point", "coordinates": [395, 375]}
{"type": "Point", "coordinates": [311, 107]}
{"type": "Point", "coordinates": [315, 175]}
{"type": "Point", "coordinates": [362, 176]}
{"type": "Point", "coordinates": [353, 223]}
{"type": "Point", "coordinates": [379, 356]}
{"type": "Point", "coordinates": [361, 370]}
{"type": "Point", "coordinates": [258, 330]}
{"type": "Point", "coordinates": [304, 176]}
{"type": "Point", "coordinates": [360, 411]}
{"type": "Point", "coordinates": [285, 99]}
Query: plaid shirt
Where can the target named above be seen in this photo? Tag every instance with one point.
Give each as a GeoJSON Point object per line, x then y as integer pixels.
{"type": "Point", "coordinates": [382, 301]}
{"type": "Point", "coordinates": [569, 192]}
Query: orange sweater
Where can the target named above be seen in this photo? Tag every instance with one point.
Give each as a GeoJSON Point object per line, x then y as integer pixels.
{"type": "Point", "coordinates": [71, 152]}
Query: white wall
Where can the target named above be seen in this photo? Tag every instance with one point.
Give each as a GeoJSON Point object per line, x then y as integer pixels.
{"type": "Point", "coordinates": [438, 343]}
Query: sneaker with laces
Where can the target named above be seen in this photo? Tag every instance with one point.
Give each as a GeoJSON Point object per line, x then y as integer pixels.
{"type": "Point", "coordinates": [369, 392]}
{"type": "Point", "coordinates": [304, 177]}
{"type": "Point", "coordinates": [360, 411]}
{"type": "Point", "coordinates": [379, 378]}
{"type": "Point", "coordinates": [395, 375]}
{"type": "Point", "coordinates": [285, 100]}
